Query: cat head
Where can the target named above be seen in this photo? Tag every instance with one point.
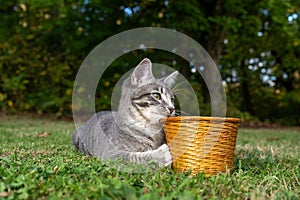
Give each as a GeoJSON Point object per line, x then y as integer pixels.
{"type": "Point", "coordinates": [146, 99]}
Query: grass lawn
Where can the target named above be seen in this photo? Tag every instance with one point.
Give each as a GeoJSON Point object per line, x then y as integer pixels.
{"type": "Point", "coordinates": [38, 161]}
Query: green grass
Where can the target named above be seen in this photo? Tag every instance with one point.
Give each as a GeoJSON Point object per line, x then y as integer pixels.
{"type": "Point", "coordinates": [267, 166]}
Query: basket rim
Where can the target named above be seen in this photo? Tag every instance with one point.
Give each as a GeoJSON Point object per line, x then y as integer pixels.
{"type": "Point", "coordinates": [201, 118]}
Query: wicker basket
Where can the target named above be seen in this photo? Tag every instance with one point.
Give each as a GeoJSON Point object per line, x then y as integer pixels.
{"type": "Point", "coordinates": [201, 144]}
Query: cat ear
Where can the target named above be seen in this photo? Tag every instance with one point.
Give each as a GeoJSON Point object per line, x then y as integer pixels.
{"type": "Point", "coordinates": [142, 72]}
{"type": "Point", "coordinates": [170, 80]}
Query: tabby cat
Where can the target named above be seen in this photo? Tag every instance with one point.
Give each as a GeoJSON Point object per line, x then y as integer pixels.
{"type": "Point", "coordinates": [133, 132]}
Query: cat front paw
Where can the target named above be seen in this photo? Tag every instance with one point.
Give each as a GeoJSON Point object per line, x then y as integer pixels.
{"type": "Point", "coordinates": [162, 156]}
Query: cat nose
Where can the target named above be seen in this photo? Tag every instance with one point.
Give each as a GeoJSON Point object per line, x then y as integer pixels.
{"type": "Point", "coordinates": [171, 109]}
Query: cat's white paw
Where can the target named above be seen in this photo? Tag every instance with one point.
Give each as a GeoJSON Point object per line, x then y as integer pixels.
{"type": "Point", "coordinates": [163, 156]}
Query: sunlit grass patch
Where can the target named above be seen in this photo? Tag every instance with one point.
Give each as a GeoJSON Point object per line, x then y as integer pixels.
{"type": "Point", "coordinates": [38, 161]}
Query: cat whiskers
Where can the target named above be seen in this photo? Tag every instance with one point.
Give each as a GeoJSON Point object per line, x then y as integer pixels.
{"type": "Point", "coordinates": [180, 113]}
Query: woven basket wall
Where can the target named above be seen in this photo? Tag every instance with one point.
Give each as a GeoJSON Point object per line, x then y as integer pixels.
{"type": "Point", "coordinates": [201, 144]}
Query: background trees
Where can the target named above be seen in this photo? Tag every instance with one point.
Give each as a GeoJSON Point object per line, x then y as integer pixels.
{"type": "Point", "coordinates": [255, 44]}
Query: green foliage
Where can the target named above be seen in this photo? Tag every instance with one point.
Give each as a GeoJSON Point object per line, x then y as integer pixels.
{"type": "Point", "coordinates": [37, 75]}
{"type": "Point", "coordinates": [289, 108]}
{"type": "Point", "coordinates": [255, 44]}
{"type": "Point", "coordinates": [46, 166]}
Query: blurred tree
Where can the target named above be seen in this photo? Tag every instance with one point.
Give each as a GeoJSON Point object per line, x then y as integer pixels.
{"type": "Point", "coordinates": [261, 56]}
{"type": "Point", "coordinates": [255, 45]}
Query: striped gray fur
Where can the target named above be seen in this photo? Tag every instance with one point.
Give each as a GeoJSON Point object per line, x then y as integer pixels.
{"type": "Point", "coordinates": [133, 132]}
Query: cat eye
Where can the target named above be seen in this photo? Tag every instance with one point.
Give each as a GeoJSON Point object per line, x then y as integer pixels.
{"type": "Point", "coordinates": [156, 96]}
